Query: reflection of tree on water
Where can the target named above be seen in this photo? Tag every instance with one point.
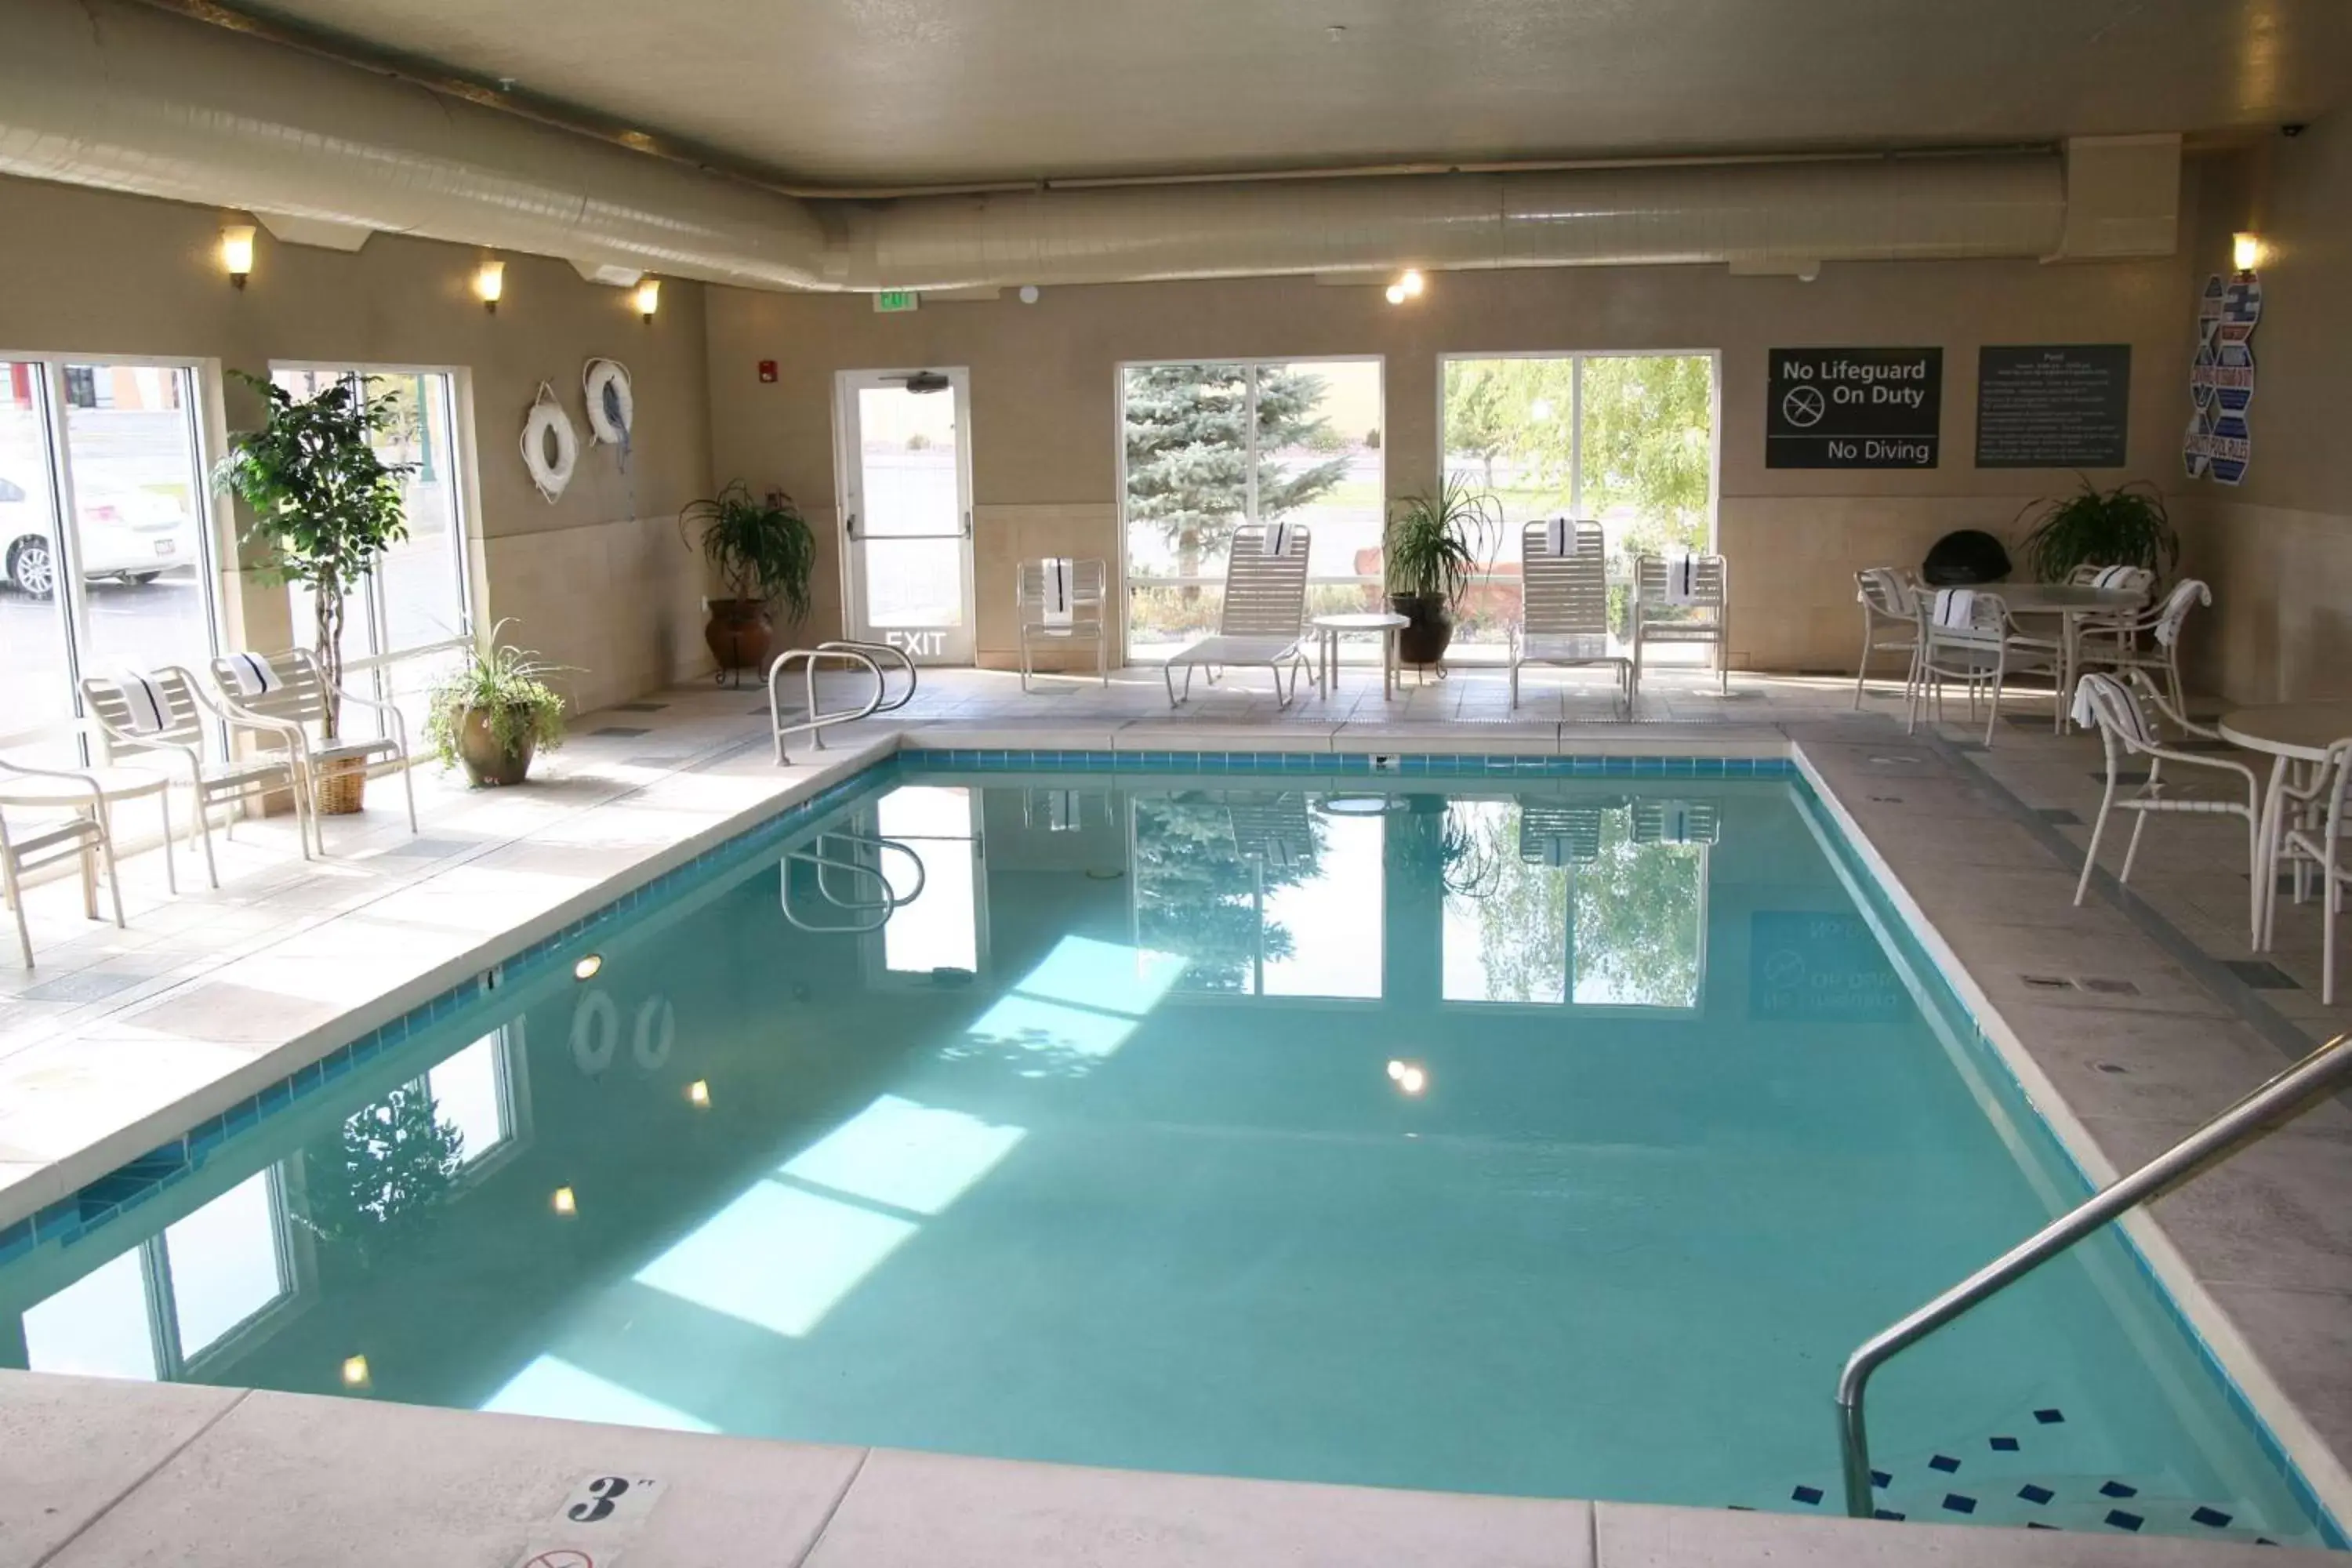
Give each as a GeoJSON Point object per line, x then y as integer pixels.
{"type": "Point", "coordinates": [1198, 896]}
{"type": "Point", "coordinates": [373, 1176]}
{"type": "Point", "coordinates": [1635, 941]}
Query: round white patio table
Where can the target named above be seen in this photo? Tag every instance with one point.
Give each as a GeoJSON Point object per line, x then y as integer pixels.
{"type": "Point", "coordinates": [2290, 733]}
{"type": "Point", "coordinates": [1330, 629]}
{"type": "Point", "coordinates": [2072, 603]}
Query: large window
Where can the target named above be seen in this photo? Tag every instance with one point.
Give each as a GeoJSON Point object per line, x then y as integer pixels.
{"type": "Point", "coordinates": [104, 538]}
{"type": "Point", "coordinates": [1628, 440]}
{"type": "Point", "coordinates": [1210, 448]}
{"type": "Point", "coordinates": [397, 626]}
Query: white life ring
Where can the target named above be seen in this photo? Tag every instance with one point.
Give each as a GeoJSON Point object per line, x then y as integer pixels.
{"type": "Point", "coordinates": [612, 407]}
{"type": "Point", "coordinates": [657, 1031]}
{"type": "Point", "coordinates": [544, 426]}
{"type": "Point", "coordinates": [595, 1033]}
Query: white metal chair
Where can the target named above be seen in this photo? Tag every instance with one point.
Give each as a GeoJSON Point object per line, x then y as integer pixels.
{"type": "Point", "coordinates": [2125, 732]}
{"type": "Point", "coordinates": [2115, 644]}
{"type": "Point", "coordinates": [162, 716]}
{"type": "Point", "coordinates": [74, 822]}
{"type": "Point", "coordinates": [1060, 603]}
{"type": "Point", "coordinates": [1564, 607]}
{"type": "Point", "coordinates": [290, 690]}
{"type": "Point", "coordinates": [1966, 634]}
{"type": "Point", "coordinates": [1663, 616]}
{"type": "Point", "coordinates": [1676, 822]}
{"type": "Point", "coordinates": [2313, 840]}
{"type": "Point", "coordinates": [1262, 621]}
{"type": "Point", "coordinates": [1889, 594]}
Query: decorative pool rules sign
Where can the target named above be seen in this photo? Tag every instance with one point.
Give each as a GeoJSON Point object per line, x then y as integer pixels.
{"type": "Point", "coordinates": [2219, 445]}
{"type": "Point", "coordinates": [1854, 408]}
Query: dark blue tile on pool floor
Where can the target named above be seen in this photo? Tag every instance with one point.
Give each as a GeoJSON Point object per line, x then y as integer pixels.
{"type": "Point", "coordinates": [2260, 974]}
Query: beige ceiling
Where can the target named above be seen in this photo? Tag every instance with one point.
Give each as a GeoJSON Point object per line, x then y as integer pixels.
{"type": "Point", "coordinates": [868, 91]}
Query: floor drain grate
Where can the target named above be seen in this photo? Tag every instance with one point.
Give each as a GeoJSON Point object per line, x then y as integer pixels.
{"type": "Point", "coordinates": [2046, 983]}
{"type": "Point", "coordinates": [2109, 987]}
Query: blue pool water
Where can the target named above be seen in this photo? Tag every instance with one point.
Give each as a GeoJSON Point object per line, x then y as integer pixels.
{"type": "Point", "coordinates": [1537, 1135]}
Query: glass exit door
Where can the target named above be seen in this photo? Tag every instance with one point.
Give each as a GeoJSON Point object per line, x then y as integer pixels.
{"type": "Point", "coordinates": [905, 464]}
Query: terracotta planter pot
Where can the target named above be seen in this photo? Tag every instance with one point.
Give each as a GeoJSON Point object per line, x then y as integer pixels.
{"type": "Point", "coordinates": [488, 763]}
{"type": "Point", "coordinates": [1429, 631]}
{"type": "Point", "coordinates": [739, 633]}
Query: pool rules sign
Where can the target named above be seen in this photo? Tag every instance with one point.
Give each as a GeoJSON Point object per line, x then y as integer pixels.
{"type": "Point", "coordinates": [1854, 408]}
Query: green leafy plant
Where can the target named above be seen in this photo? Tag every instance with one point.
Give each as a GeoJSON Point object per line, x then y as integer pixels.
{"type": "Point", "coordinates": [326, 506]}
{"type": "Point", "coordinates": [388, 1162]}
{"type": "Point", "coordinates": [1433, 543]}
{"type": "Point", "coordinates": [2126, 526]}
{"type": "Point", "coordinates": [507, 686]}
{"type": "Point", "coordinates": [762, 550]}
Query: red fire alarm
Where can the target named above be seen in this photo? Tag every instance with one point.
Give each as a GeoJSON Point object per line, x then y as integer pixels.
{"type": "Point", "coordinates": [767, 369]}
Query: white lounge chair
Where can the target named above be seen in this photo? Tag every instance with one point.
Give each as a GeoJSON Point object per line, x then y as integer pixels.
{"type": "Point", "coordinates": [291, 689]}
{"type": "Point", "coordinates": [1261, 622]}
{"type": "Point", "coordinates": [73, 822]}
{"type": "Point", "coordinates": [172, 734]}
{"type": "Point", "coordinates": [1660, 616]}
{"type": "Point", "coordinates": [1083, 615]}
{"type": "Point", "coordinates": [1564, 608]}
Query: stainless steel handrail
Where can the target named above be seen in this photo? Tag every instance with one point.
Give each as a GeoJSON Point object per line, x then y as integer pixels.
{"type": "Point", "coordinates": [2259, 1114]}
{"type": "Point", "coordinates": [891, 902]}
{"type": "Point", "coordinates": [868, 655]}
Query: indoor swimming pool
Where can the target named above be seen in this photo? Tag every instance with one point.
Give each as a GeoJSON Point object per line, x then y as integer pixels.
{"type": "Point", "coordinates": [1513, 1132]}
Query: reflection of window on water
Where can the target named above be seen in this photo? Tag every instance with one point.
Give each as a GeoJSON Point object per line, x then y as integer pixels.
{"type": "Point", "coordinates": [1583, 903]}
{"type": "Point", "coordinates": [1259, 894]}
{"type": "Point", "coordinates": [938, 928]}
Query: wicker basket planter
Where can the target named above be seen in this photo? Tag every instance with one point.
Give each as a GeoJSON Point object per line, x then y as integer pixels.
{"type": "Point", "coordinates": [338, 785]}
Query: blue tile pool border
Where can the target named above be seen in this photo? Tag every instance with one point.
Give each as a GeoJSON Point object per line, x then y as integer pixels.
{"type": "Point", "coordinates": [136, 1180]}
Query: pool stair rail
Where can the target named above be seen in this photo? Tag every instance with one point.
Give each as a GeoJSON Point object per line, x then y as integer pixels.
{"type": "Point", "coordinates": [836, 853]}
{"type": "Point", "coordinates": [2256, 1116]}
{"type": "Point", "coordinates": [809, 718]}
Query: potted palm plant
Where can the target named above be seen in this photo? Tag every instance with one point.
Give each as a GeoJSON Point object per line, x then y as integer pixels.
{"type": "Point", "coordinates": [1429, 552]}
{"type": "Point", "coordinates": [763, 553]}
{"type": "Point", "coordinates": [495, 712]}
{"type": "Point", "coordinates": [2126, 526]}
{"type": "Point", "coordinates": [326, 506]}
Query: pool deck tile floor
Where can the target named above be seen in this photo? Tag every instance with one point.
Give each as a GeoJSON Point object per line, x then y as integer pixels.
{"type": "Point", "coordinates": [121, 1038]}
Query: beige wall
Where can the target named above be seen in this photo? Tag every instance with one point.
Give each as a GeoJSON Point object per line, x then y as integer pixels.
{"type": "Point", "coordinates": [1043, 439]}
{"type": "Point", "coordinates": [2278, 549]}
{"type": "Point", "coordinates": [599, 579]}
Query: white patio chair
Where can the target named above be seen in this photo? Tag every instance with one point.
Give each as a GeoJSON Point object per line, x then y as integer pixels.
{"type": "Point", "coordinates": [1558, 833]}
{"type": "Point", "coordinates": [73, 821]}
{"type": "Point", "coordinates": [1676, 822]}
{"type": "Point", "coordinates": [1261, 623]}
{"type": "Point", "coordinates": [1564, 607]}
{"type": "Point", "coordinates": [1061, 603]}
{"type": "Point", "coordinates": [1966, 634]}
{"type": "Point", "coordinates": [289, 689]}
{"type": "Point", "coordinates": [2115, 644]}
{"type": "Point", "coordinates": [163, 716]}
{"type": "Point", "coordinates": [2314, 841]}
{"type": "Point", "coordinates": [1886, 594]}
{"type": "Point", "coordinates": [2121, 715]}
{"type": "Point", "coordinates": [1659, 616]}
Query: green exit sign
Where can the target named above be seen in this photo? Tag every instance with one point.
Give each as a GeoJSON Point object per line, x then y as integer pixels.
{"type": "Point", "coordinates": [896, 299]}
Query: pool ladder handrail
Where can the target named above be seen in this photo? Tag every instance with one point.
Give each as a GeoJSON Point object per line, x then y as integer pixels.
{"type": "Point", "coordinates": [2259, 1114]}
{"type": "Point", "coordinates": [848, 652]}
{"type": "Point", "coordinates": [882, 909]}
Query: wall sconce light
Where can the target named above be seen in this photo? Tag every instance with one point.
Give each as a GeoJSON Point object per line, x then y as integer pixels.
{"type": "Point", "coordinates": [236, 251]}
{"type": "Point", "coordinates": [648, 297]}
{"type": "Point", "coordinates": [489, 283]}
{"type": "Point", "coordinates": [1410, 283]}
{"type": "Point", "coordinates": [1396, 293]}
{"type": "Point", "coordinates": [2246, 251]}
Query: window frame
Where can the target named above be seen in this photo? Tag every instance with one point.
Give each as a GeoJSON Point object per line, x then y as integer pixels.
{"type": "Point", "coordinates": [1254, 362]}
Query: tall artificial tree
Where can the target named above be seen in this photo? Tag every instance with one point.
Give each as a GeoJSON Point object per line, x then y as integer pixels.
{"type": "Point", "coordinates": [326, 506]}
{"type": "Point", "coordinates": [1188, 450]}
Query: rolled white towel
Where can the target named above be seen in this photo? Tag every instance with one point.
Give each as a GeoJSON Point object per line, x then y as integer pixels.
{"type": "Point", "coordinates": [1060, 586]}
{"type": "Point", "coordinates": [252, 674]}
{"type": "Point", "coordinates": [145, 700]}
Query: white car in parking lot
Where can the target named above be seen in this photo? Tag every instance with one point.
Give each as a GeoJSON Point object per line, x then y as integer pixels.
{"type": "Point", "coordinates": [127, 536]}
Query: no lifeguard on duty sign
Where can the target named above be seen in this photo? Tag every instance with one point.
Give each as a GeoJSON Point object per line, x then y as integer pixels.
{"type": "Point", "coordinates": [1854, 408]}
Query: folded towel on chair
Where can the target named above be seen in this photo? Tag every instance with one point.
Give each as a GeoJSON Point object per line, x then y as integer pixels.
{"type": "Point", "coordinates": [253, 674]}
{"type": "Point", "coordinates": [1059, 572]}
{"type": "Point", "coordinates": [1277, 539]}
{"type": "Point", "coordinates": [1559, 536]}
{"type": "Point", "coordinates": [1956, 608]}
{"type": "Point", "coordinates": [145, 699]}
{"type": "Point", "coordinates": [1682, 580]}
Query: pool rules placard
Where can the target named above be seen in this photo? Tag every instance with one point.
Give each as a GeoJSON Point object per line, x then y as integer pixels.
{"type": "Point", "coordinates": [2052, 405]}
{"type": "Point", "coordinates": [1854, 408]}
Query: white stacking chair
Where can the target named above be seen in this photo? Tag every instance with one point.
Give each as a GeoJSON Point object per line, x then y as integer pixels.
{"type": "Point", "coordinates": [1561, 833]}
{"type": "Point", "coordinates": [1564, 607]}
{"type": "Point", "coordinates": [290, 690]}
{"type": "Point", "coordinates": [1262, 621]}
{"type": "Point", "coordinates": [72, 821]}
{"type": "Point", "coordinates": [1966, 634]}
{"type": "Point", "coordinates": [2120, 715]}
{"type": "Point", "coordinates": [1656, 620]}
{"type": "Point", "coordinates": [2117, 644]}
{"type": "Point", "coordinates": [1676, 822]}
{"type": "Point", "coordinates": [1887, 595]}
{"type": "Point", "coordinates": [1084, 610]}
{"type": "Point", "coordinates": [173, 735]}
{"type": "Point", "coordinates": [2314, 841]}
